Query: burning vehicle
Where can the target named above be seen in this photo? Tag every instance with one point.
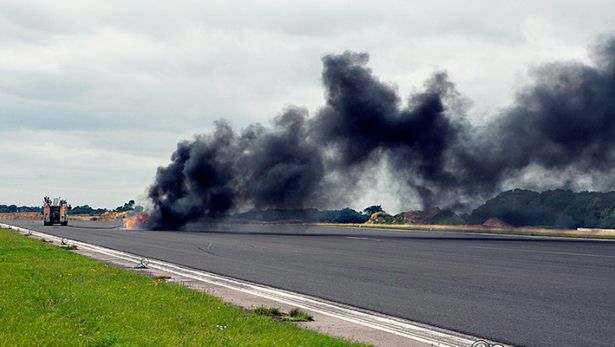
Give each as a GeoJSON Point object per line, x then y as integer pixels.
{"type": "Point", "coordinates": [137, 222]}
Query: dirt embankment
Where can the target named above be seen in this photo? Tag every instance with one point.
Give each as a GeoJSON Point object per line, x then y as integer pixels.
{"type": "Point", "coordinates": [39, 216]}
{"type": "Point", "coordinates": [535, 231]}
{"type": "Point", "coordinates": [21, 216]}
{"type": "Point", "coordinates": [496, 223]}
{"type": "Point", "coordinates": [107, 216]}
{"type": "Point", "coordinates": [380, 217]}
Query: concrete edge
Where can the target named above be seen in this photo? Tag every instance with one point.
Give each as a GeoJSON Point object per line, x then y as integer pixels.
{"type": "Point", "coordinates": [347, 322]}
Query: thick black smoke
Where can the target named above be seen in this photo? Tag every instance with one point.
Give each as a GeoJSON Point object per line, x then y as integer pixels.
{"type": "Point", "coordinates": [214, 174]}
{"type": "Point", "coordinates": [563, 121]}
{"type": "Point", "coordinates": [364, 122]}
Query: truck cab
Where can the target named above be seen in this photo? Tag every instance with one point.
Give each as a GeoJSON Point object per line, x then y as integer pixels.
{"type": "Point", "coordinates": [55, 212]}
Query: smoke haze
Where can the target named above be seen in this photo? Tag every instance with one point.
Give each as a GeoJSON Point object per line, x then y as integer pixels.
{"type": "Point", "coordinates": [562, 122]}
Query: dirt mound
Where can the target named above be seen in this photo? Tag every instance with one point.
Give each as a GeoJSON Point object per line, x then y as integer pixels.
{"type": "Point", "coordinates": [432, 215]}
{"type": "Point", "coordinates": [107, 216]}
{"type": "Point", "coordinates": [380, 217]}
{"type": "Point", "coordinates": [115, 215]}
{"type": "Point", "coordinates": [417, 217]}
{"type": "Point", "coordinates": [21, 216]}
{"type": "Point", "coordinates": [496, 223]}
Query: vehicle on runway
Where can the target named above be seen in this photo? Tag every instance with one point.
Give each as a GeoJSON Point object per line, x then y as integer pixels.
{"type": "Point", "coordinates": [55, 212]}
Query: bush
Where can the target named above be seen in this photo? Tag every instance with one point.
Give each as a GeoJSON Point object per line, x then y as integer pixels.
{"type": "Point", "coordinates": [552, 208]}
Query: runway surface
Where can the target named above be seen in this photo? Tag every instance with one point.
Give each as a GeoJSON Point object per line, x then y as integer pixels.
{"type": "Point", "coordinates": [513, 289]}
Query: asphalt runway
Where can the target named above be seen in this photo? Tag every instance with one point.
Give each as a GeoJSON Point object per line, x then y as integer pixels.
{"type": "Point", "coordinates": [513, 289]}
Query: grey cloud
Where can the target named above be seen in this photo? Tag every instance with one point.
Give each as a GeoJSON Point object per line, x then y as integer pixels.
{"type": "Point", "coordinates": [166, 70]}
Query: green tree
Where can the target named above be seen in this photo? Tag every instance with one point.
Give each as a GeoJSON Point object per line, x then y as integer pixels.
{"type": "Point", "coordinates": [129, 206]}
{"type": "Point", "coordinates": [372, 209]}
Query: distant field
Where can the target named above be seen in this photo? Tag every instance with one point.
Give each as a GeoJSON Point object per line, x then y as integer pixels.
{"type": "Point", "coordinates": [52, 296]}
{"type": "Point", "coordinates": [586, 233]}
{"type": "Point", "coordinates": [39, 216]}
{"type": "Point", "coordinates": [21, 216]}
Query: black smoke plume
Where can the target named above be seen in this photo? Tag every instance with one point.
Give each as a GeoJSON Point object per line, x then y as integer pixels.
{"type": "Point", "coordinates": [562, 122]}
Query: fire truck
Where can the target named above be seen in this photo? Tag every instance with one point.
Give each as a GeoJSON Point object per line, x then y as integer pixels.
{"type": "Point", "coordinates": [55, 212]}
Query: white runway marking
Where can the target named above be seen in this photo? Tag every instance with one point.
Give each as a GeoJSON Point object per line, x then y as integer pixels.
{"type": "Point", "coordinates": [547, 252]}
{"type": "Point", "coordinates": [361, 238]}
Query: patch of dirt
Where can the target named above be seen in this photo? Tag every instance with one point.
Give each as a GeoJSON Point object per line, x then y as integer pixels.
{"type": "Point", "coordinates": [417, 217]}
{"type": "Point", "coordinates": [107, 216]}
{"type": "Point", "coordinates": [21, 216]}
{"type": "Point", "coordinates": [380, 217]}
{"type": "Point", "coordinates": [408, 217]}
{"type": "Point", "coordinates": [496, 223]}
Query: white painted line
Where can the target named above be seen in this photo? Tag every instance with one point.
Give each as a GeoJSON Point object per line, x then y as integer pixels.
{"type": "Point", "coordinates": [362, 238]}
{"type": "Point", "coordinates": [393, 325]}
{"type": "Point", "coordinates": [475, 233]}
{"type": "Point", "coordinates": [546, 252]}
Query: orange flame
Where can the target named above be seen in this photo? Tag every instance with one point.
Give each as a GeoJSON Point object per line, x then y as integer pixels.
{"type": "Point", "coordinates": [137, 222]}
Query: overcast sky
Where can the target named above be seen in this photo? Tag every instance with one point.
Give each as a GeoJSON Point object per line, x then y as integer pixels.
{"type": "Point", "coordinates": [94, 95]}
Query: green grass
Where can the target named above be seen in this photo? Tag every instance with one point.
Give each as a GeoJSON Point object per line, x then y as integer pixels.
{"type": "Point", "coordinates": [52, 297]}
{"type": "Point", "coordinates": [268, 311]}
{"type": "Point", "coordinates": [296, 315]}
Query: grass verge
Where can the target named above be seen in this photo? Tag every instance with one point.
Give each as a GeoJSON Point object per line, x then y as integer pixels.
{"type": "Point", "coordinates": [53, 297]}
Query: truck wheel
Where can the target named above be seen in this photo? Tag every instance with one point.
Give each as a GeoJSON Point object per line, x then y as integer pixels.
{"type": "Point", "coordinates": [64, 223]}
